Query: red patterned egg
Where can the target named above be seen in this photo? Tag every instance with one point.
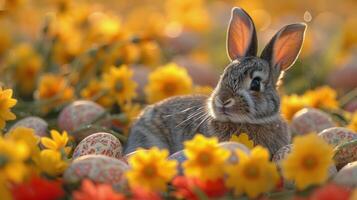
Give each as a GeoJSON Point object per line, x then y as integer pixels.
{"type": "Point", "coordinates": [347, 175]}
{"type": "Point", "coordinates": [37, 124]}
{"type": "Point", "coordinates": [310, 120]}
{"type": "Point", "coordinates": [337, 135]}
{"type": "Point", "coordinates": [232, 147]}
{"type": "Point", "coordinates": [98, 168]}
{"type": "Point", "coordinates": [79, 113]}
{"type": "Point", "coordinates": [99, 144]}
{"type": "Point", "coordinates": [346, 153]}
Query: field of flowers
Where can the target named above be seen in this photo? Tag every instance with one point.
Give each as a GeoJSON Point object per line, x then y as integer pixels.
{"type": "Point", "coordinates": [74, 75]}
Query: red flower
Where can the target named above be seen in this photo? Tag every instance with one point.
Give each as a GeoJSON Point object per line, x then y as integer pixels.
{"type": "Point", "coordinates": [142, 194]}
{"type": "Point", "coordinates": [186, 187]}
{"type": "Point", "coordinates": [91, 191]}
{"type": "Point", "coordinates": [38, 188]}
{"type": "Point", "coordinates": [331, 192]}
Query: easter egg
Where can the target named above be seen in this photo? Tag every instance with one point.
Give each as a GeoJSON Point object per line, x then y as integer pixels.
{"type": "Point", "coordinates": [347, 175]}
{"type": "Point", "coordinates": [345, 153]}
{"type": "Point", "coordinates": [337, 135]}
{"type": "Point", "coordinates": [98, 168]}
{"type": "Point", "coordinates": [310, 120]}
{"type": "Point", "coordinates": [99, 144]}
{"type": "Point", "coordinates": [37, 124]}
{"type": "Point", "coordinates": [79, 113]}
{"type": "Point", "coordinates": [180, 157]}
{"type": "Point", "coordinates": [232, 147]}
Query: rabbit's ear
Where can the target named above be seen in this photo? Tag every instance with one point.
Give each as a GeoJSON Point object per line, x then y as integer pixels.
{"type": "Point", "coordinates": [241, 36]}
{"type": "Point", "coordinates": [284, 48]}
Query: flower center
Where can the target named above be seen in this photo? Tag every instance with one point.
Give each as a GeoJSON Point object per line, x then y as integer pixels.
{"type": "Point", "coordinates": [309, 162]}
{"type": "Point", "coordinates": [3, 160]}
{"type": "Point", "coordinates": [169, 88]}
{"type": "Point", "coordinates": [118, 86]}
{"type": "Point", "coordinates": [251, 172]}
{"type": "Point", "coordinates": [149, 171]}
{"type": "Point", "coordinates": [204, 158]}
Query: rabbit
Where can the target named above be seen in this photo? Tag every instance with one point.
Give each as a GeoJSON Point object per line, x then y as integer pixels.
{"type": "Point", "coordinates": [245, 99]}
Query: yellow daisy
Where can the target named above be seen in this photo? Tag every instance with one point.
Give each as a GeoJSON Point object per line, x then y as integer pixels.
{"type": "Point", "coordinates": [205, 159]}
{"type": "Point", "coordinates": [95, 91]}
{"type": "Point", "coordinates": [6, 102]}
{"type": "Point", "coordinates": [309, 161]}
{"type": "Point", "coordinates": [254, 174]}
{"type": "Point", "coordinates": [243, 138]}
{"type": "Point", "coordinates": [151, 169]}
{"type": "Point", "coordinates": [26, 135]}
{"type": "Point", "coordinates": [322, 97]}
{"type": "Point", "coordinates": [167, 81]}
{"type": "Point", "coordinates": [51, 162]}
{"type": "Point", "coordinates": [58, 142]}
{"type": "Point", "coordinates": [13, 155]}
{"type": "Point", "coordinates": [291, 105]}
{"type": "Point", "coordinates": [118, 81]}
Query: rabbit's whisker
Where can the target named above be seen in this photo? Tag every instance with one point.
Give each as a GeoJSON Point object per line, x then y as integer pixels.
{"type": "Point", "coordinates": [197, 113]}
{"type": "Point", "coordinates": [183, 111]}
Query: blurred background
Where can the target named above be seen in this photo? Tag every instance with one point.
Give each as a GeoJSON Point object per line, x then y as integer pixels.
{"type": "Point", "coordinates": [79, 40]}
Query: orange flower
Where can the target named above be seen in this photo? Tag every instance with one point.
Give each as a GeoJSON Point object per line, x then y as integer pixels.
{"type": "Point", "coordinates": [91, 191]}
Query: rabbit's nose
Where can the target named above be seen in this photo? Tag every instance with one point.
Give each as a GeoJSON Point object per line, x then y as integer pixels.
{"type": "Point", "coordinates": [227, 103]}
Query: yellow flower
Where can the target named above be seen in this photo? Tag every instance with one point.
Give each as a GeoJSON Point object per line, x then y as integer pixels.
{"type": "Point", "coordinates": [322, 97]}
{"type": "Point", "coordinates": [131, 111]}
{"type": "Point", "coordinates": [353, 123]}
{"type": "Point", "coordinates": [58, 142]}
{"type": "Point", "coordinates": [151, 169]}
{"type": "Point", "coordinates": [243, 138]}
{"type": "Point", "coordinates": [309, 161]}
{"type": "Point", "coordinates": [292, 104]}
{"type": "Point", "coordinates": [27, 63]}
{"type": "Point", "coordinates": [51, 163]}
{"type": "Point", "coordinates": [253, 174]}
{"type": "Point", "coordinates": [205, 159]}
{"type": "Point", "coordinates": [27, 136]}
{"type": "Point", "coordinates": [167, 81]}
{"type": "Point", "coordinates": [95, 91]}
{"type": "Point", "coordinates": [118, 81]}
{"type": "Point", "coordinates": [55, 88]}
{"type": "Point", "coordinates": [13, 155]}
{"type": "Point", "coordinates": [6, 102]}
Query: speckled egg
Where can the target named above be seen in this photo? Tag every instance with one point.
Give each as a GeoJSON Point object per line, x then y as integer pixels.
{"type": "Point", "coordinates": [180, 157]}
{"type": "Point", "coordinates": [39, 125]}
{"type": "Point", "coordinates": [346, 153]}
{"type": "Point", "coordinates": [79, 113]}
{"type": "Point", "coordinates": [232, 147]}
{"type": "Point", "coordinates": [98, 168]}
{"type": "Point", "coordinates": [347, 175]}
{"type": "Point", "coordinates": [310, 120]}
{"type": "Point", "coordinates": [99, 144]}
{"type": "Point", "coordinates": [337, 135]}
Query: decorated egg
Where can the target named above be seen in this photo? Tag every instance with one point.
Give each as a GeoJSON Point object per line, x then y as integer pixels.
{"type": "Point", "coordinates": [281, 154]}
{"type": "Point", "coordinates": [37, 124]}
{"type": "Point", "coordinates": [232, 147]}
{"type": "Point", "coordinates": [310, 120]}
{"type": "Point", "coordinates": [345, 153]}
{"type": "Point", "coordinates": [99, 144]}
{"type": "Point", "coordinates": [98, 168]}
{"type": "Point", "coordinates": [337, 135]}
{"type": "Point", "coordinates": [347, 175]}
{"type": "Point", "coordinates": [180, 157]}
{"type": "Point", "coordinates": [79, 113]}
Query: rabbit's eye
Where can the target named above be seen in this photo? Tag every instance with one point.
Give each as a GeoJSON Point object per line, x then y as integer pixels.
{"type": "Point", "coordinates": [255, 84]}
